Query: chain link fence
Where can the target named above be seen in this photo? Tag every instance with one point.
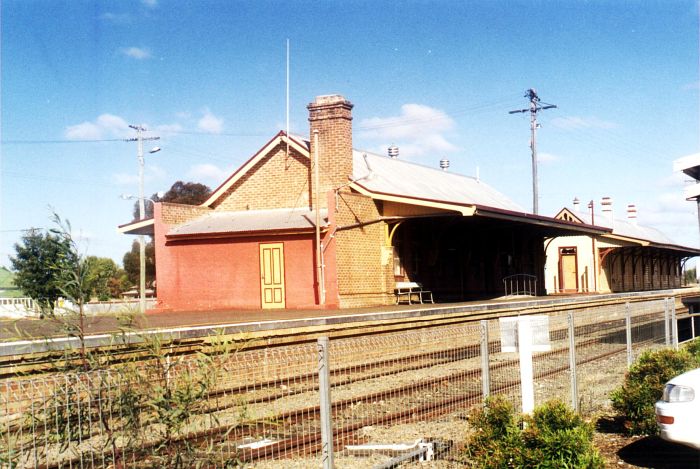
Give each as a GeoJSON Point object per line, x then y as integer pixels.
{"type": "Point", "coordinates": [369, 401]}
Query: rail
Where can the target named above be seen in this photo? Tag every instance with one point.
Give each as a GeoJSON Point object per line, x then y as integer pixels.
{"type": "Point", "coordinates": [255, 406]}
{"type": "Point", "coordinates": [520, 285]}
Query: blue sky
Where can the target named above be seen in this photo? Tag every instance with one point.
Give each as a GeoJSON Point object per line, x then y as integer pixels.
{"type": "Point", "coordinates": [435, 78]}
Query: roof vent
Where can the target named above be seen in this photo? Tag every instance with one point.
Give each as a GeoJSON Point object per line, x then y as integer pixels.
{"type": "Point", "coordinates": [444, 164]}
{"type": "Point", "coordinates": [606, 206]}
{"type": "Point", "coordinates": [393, 152]}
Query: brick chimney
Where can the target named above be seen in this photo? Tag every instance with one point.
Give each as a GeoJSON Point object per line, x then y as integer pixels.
{"type": "Point", "coordinates": [331, 116]}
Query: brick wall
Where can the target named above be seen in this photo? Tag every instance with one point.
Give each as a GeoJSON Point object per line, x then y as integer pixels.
{"type": "Point", "coordinates": [175, 214]}
{"type": "Point", "coordinates": [364, 272]}
{"type": "Point", "coordinates": [276, 181]}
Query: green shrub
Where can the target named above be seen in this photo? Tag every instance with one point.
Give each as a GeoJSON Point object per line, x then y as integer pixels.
{"type": "Point", "coordinates": [554, 437]}
{"type": "Point", "coordinates": [644, 385]}
{"type": "Point", "coordinates": [693, 347]}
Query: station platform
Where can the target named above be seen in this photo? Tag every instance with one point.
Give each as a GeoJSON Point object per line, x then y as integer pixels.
{"type": "Point", "coordinates": [37, 335]}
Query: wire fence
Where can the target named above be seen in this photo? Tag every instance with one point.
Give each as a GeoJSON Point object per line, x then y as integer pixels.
{"type": "Point", "coordinates": [370, 401]}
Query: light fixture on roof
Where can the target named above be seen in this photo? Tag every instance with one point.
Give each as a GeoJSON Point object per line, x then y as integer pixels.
{"type": "Point", "coordinates": [393, 152]}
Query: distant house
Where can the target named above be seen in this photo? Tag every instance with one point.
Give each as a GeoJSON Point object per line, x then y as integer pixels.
{"type": "Point", "coordinates": [629, 257]}
{"type": "Point", "coordinates": [313, 223]}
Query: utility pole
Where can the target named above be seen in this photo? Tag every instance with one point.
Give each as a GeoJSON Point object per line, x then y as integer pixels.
{"type": "Point", "coordinates": [139, 139]}
{"type": "Point", "coordinates": [534, 108]}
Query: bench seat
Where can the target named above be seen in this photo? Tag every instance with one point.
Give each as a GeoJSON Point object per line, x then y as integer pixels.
{"type": "Point", "coordinates": [406, 291]}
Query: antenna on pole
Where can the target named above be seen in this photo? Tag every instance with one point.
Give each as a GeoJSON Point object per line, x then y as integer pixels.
{"type": "Point", "coordinates": [287, 92]}
{"type": "Point", "coordinates": [535, 106]}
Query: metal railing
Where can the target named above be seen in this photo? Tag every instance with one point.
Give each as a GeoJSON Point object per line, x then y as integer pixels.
{"type": "Point", "coordinates": [520, 284]}
{"type": "Point", "coordinates": [369, 401]}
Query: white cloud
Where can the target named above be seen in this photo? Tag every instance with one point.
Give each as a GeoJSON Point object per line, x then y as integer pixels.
{"type": "Point", "coordinates": [137, 53]}
{"type": "Point", "coordinates": [106, 125]}
{"type": "Point", "coordinates": [207, 172]}
{"type": "Point", "coordinates": [418, 130]}
{"type": "Point", "coordinates": [210, 123]}
{"type": "Point", "coordinates": [576, 122]}
{"type": "Point", "coordinates": [150, 3]}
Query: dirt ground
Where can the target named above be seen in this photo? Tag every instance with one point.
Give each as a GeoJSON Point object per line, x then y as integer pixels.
{"type": "Point", "coordinates": [620, 450]}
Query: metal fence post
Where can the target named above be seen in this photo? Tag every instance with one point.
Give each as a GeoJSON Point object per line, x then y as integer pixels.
{"type": "Point", "coordinates": [674, 323]}
{"type": "Point", "coordinates": [667, 329]}
{"type": "Point", "coordinates": [692, 327]}
{"type": "Point", "coordinates": [485, 370]}
{"type": "Point", "coordinates": [628, 331]}
{"type": "Point", "coordinates": [572, 362]}
{"type": "Point", "coordinates": [324, 389]}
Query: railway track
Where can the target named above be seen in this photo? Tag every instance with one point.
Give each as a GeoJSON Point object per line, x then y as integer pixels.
{"type": "Point", "coordinates": [383, 380]}
{"type": "Point", "coordinates": [286, 443]}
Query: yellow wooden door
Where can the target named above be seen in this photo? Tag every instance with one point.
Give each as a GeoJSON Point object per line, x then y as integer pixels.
{"type": "Point", "coordinates": [272, 275]}
{"type": "Point", "coordinates": [569, 272]}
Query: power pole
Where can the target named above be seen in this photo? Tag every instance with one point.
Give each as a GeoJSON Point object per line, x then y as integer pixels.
{"type": "Point", "coordinates": [534, 108]}
{"type": "Point", "coordinates": [139, 139]}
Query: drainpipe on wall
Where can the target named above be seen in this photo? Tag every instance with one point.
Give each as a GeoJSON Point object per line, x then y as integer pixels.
{"type": "Point", "coordinates": [319, 251]}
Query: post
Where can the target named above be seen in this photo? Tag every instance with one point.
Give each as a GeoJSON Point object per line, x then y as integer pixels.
{"type": "Point", "coordinates": [572, 362]}
{"type": "Point", "coordinates": [667, 319]}
{"type": "Point", "coordinates": [628, 333]}
{"type": "Point", "coordinates": [142, 213]}
{"type": "Point", "coordinates": [674, 324]}
{"type": "Point", "coordinates": [324, 389]}
{"type": "Point", "coordinates": [533, 147]}
{"type": "Point", "coordinates": [317, 209]}
{"type": "Point", "coordinates": [527, 385]}
{"type": "Point", "coordinates": [485, 370]}
{"type": "Point", "coordinates": [142, 238]}
{"type": "Point", "coordinates": [692, 326]}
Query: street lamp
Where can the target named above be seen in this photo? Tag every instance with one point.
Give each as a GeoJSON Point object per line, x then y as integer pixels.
{"type": "Point", "coordinates": [142, 251]}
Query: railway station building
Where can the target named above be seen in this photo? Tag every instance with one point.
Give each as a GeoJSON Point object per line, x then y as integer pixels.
{"type": "Point", "coordinates": [629, 257]}
{"type": "Point", "coordinates": [314, 223]}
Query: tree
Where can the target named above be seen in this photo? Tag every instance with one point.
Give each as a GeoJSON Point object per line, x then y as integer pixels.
{"type": "Point", "coordinates": [188, 193]}
{"type": "Point", "coordinates": [132, 264]}
{"type": "Point", "coordinates": [40, 259]}
{"type": "Point", "coordinates": [104, 278]}
{"type": "Point", "coordinates": [690, 276]}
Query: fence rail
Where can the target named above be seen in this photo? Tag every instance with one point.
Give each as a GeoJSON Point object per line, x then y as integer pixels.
{"type": "Point", "coordinates": [359, 402]}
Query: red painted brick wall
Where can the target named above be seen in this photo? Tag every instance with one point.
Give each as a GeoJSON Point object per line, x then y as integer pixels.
{"type": "Point", "coordinates": [217, 274]}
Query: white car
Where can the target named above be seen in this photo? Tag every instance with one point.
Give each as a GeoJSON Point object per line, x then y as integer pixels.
{"type": "Point", "coordinates": [678, 411]}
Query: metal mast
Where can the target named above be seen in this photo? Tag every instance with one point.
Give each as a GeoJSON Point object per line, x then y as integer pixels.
{"type": "Point", "coordinates": [535, 107]}
{"type": "Point", "coordinates": [142, 242]}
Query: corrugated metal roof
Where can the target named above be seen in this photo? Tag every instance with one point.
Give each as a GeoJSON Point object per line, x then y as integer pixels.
{"type": "Point", "coordinates": [251, 221]}
{"type": "Point", "coordinates": [626, 228]}
{"type": "Point", "coordinates": [406, 179]}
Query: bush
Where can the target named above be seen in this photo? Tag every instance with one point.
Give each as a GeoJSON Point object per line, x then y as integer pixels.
{"type": "Point", "coordinates": [644, 385]}
{"type": "Point", "coordinates": [554, 437]}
